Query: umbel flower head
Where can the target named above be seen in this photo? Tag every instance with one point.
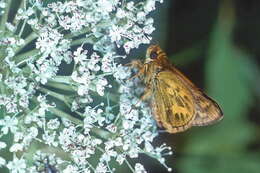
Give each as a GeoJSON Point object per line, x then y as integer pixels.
{"type": "Point", "coordinates": [65, 102]}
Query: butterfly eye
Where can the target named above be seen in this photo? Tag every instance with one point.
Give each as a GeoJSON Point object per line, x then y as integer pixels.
{"type": "Point", "coordinates": [153, 55]}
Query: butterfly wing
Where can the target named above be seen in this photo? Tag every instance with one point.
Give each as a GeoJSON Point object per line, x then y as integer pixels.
{"type": "Point", "coordinates": [177, 103]}
{"type": "Point", "coordinates": [207, 110]}
{"type": "Point", "coordinates": [172, 103]}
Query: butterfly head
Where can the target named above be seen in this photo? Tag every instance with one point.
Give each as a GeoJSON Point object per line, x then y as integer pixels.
{"type": "Point", "coordinates": [154, 53]}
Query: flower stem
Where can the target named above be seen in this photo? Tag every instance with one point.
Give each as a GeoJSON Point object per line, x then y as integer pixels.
{"type": "Point", "coordinates": [5, 15]}
{"type": "Point", "coordinates": [81, 41]}
{"type": "Point", "coordinates": [15, 21]}
{"type": "Point", "coordinates": [27, 41]}
{"type": "Point", "coordinates": [62, 114]}
{"type": "Point", "coordinates": [58, 96]}
{"type": "Point", "coordinates": [22, 28]}
{"type": "Point", "coordinates": [129, 165]}
{"type": "Point", "coordinates": [62, 86]}
{"type": "Point", "coordinates": [71, 35]}
{"type": "Point", "coordinates": [22, 58]}
{"type": "Point", "coordinates": [98, 131]}
{"type": "Point", "coordinates": [78, 42]}
{"type": "Point", "coordinates": [62, 79]}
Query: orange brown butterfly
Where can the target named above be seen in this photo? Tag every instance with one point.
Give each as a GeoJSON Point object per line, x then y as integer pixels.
{"type": "Point", "coordinates": [177, 104]}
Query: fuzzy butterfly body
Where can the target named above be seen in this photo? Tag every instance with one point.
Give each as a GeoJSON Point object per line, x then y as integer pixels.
{"type": "Point", "coordinates": [177, 104]}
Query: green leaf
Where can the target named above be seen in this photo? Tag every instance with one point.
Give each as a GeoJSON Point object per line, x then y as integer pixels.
{"type": "Point", "coordinates": [223, 147]}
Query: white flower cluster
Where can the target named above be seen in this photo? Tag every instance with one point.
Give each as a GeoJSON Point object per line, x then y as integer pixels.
{"type": "Point", "coordinates": [63, 89]}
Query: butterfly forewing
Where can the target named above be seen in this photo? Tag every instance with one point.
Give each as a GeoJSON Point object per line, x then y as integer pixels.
{"type": "Point", "coordinates": [173, 102]}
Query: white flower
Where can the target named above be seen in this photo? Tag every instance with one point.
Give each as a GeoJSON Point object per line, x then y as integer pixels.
{"type": "Point", "coordinates": [112, 128]}
{"type": "Point", "coordinates": [2, 4]}
{"type": "Point", "coordinates": [141, 16]}
{"type": "Point", "coordinates": [105, 5]}
{"type": "Point", "coordinates": [17, 165]}
{"type": "Point", "coordinates": [101, 168]}
{"type": "Point", "coordinates": [18, 136]}
{"type": "Point", "coordinates": [115, 33]}
{"type": "Point", "coordinates": [128, 46]}
{"type": "Point", "coordinates": [2, 162]}
{"type": "Point", "coordinates": [100, 86]}
{"type": "Point", "coordinates": [53, 124]}
{"type": "Point", "coordinates": [93, 62]}
{"type": "Point", "coordinates": [66, 137]}
{"type": "Point", "coordinates": [121, 73]}
{"type": "Point", "coordinates": [120, 13]}
{"type": "Point", "coordinates": [80, 55]}
{"type": "Point", "coordinates": [139, 168]}
{"type": "Point", "coordinates": [9, 123]}
{"type": "Point", "coordinates": [149, 6]}
{"type": "Point", "coordinates": [49, 138]}
{"type": "Point", "coordinates": [2, 145]}
{"type": "Point", "coordinates": [71, 169]}
{"type": "Point", "coordinates": [120, 159]}
{"type": "Point", "coordinates": [16, 147]}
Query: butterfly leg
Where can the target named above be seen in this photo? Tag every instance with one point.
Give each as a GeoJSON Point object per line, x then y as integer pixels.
{"type": "Point", "coordinates": [147, 94]}
{"type": "Point", "coordinates": [135, 64]}
{"type": "Point", "coordinates": [155, 113]}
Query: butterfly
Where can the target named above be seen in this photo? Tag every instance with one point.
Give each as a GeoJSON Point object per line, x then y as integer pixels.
{"type": "Point", "coordinates": [176, 103]}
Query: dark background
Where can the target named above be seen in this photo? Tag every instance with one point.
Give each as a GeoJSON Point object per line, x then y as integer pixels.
{"type": "Point", "coordinates": [216, 44]}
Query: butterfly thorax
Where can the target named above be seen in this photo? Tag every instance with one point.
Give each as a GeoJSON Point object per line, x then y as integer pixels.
{"type": "Point", "coordinates": [154, 66]}
{"type": "Point", "coordinates": [151, 69]}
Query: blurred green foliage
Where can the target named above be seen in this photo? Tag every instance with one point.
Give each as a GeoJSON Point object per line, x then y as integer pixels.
{"type": "Point", "coordinates": [224, 65]}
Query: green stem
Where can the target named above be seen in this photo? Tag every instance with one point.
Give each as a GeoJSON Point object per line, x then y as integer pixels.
{"type": "Point", "coordinates": [61, 86]}
{"type": "Point", "coordinates": [5, 15]}
{"type": "Point", "coordinates": [27, 41]}
{"type": "Point", "coordinates": [2, 88]}
{"type": "Point", "coordinates": [15, 21]}
{"type": "Point", "coordinates": [98, 131]}
{"type": "Point", "coordinates": [90, 166]}
{"type": "Point", "coordinates": [62, 79]}
{"type": "Point", "coordinates": [67, 84]}
{"type": "Point", "coordinates": [82, 41]}
{"type": "Point", "coordinates": [62, 114]}
{"type": "Point", "coordinates": [53, 94]}
{"type": "Point", "coordinates": [2, 85]}
{"type": "Point", "coordinates": [129, 165]}
{"type": "Point", "coordinates": [22, 28]}
{"type": "Point", "coordinates": [71, 35]}
{"type": "Point", "coordinates": [101, 133]}
{"type": "Point", "coordinates": [22, 58]}
{"type": "Point", "coordinates": [58, 96]}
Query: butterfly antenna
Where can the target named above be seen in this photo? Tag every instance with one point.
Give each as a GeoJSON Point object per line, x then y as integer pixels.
{"type": "Point", "coordinates": [154, 42]}
{"type": "Point", "coordinates": [135, 105]}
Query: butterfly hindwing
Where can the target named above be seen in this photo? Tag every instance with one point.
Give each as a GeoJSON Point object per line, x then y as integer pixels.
{"type": "Point", "coordinates": [207, 110]}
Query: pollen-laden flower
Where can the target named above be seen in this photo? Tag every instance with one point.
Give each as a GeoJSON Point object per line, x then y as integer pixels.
{"type": "Point", "coordinates": [63, 89]}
